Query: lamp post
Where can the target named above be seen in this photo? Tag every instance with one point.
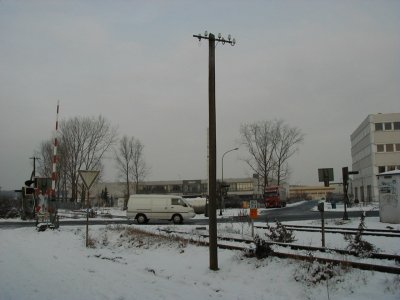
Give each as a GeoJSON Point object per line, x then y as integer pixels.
{"type": "Point", "coordinates": [222, 177]}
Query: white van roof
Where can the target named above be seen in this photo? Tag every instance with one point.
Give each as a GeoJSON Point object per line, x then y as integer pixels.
{"type": "Point", "coordinates": [154, 195]}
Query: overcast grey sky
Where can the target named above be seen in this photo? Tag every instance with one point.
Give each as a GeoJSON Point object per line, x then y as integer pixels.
{"type": "Point", "coordinates": [321, 66]}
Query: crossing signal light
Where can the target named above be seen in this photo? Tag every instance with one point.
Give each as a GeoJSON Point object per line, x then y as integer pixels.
{"type": "Point", "coordinates": [28, 191]}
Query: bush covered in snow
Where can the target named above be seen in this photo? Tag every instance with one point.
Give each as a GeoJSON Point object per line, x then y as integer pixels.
{"type": "Point", "coordinates": [313, 272]}
{"type": "Point", "coordinates": [280, 233]}
{"type": "Point", "coordinates": [357, 244]}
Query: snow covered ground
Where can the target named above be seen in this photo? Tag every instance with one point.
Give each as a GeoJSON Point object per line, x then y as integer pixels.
{"type": "Point", "coordinates": [125, 263]}
{"type": "Point", "coordinates": [355, 207]}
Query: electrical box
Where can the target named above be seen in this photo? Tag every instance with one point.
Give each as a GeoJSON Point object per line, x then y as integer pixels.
{"type": "Point", "coordinates": [389, 196]}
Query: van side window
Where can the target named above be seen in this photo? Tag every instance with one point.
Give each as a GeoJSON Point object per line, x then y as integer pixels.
{"type": "Point", "coordinates": [177, 201]}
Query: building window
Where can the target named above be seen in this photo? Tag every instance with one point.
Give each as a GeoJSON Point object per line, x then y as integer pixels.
{"type": "Point", "coordinates": [369, 193]}
{"type": "Point", "coordinates": [396, 125]}
{"type": "Point", "coordinates": [380, 148]}
{"type": "Point", "coordinates": [391, 168]}
{"type": "Point", "coordinates": [388, 126]}
{"type": "Point", "coordinates": [381, 169]}
{"type": "Point", "coordinates": [244, 186]}
{"type": "Point", "coordinates": [397, 147]}
{"type": "Point", "coordinates": [389, 148]}
{"type": "Point", "coordinates": [362, 193]}
{"type": "Point", "coordinates": [378, 126]}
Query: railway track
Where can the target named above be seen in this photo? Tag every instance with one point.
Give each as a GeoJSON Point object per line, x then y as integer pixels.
{"type": "Point", "coordinates": [354, 264]}
{"type": "Point", "coordinates": [371, 232]}
{"type": "Point", "coordinates": [344, 228]}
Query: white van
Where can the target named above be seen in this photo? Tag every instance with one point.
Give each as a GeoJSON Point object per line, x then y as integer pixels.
{"type": "Point", "coordinates": [161, 207]}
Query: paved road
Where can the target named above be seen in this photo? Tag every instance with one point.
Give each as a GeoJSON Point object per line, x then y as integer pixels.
{"type": "Point", "coordinates": [293, 213]}
{"type": "Point", "coordinates": [303, 212]}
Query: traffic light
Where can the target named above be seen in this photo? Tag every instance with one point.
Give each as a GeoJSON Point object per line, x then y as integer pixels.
{"type": "Point", "coordinates": [27, 191]}
{"type": "Point", "coordinates": [345, 175]}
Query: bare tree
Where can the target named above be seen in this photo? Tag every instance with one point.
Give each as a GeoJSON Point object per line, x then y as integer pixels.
{"type": "Point", "coordinates": [139, 166]}
{"type": "Point", "coordinates": [45, 165]}
{"type": "Point", "coordinates": [286, 141]}
{"type": "Point", "coordinates": [124, 158]}
{"type": "Point", "coordinates": [45, 154]}
{"type": "Point", "coordinates": [130, 162]}
{"type": "Point", "coordinates": [258, 138]}
{"type": "Point", "coordinates": [270, 145]}
{"type": "Point", "coordinates": [85, 140]}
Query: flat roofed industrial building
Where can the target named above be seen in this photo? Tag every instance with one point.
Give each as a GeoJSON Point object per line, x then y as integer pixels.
{"type": "Point", "coordinates": [375, 148]}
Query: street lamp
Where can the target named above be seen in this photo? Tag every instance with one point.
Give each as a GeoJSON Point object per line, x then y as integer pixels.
{"type": "Point", "coordinates": [222, 177]}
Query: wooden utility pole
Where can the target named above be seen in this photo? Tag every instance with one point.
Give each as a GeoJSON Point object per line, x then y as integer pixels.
{"type": "Point", "coordinates": [212, 162]}
{"type": "Point", "coordinates": [212, 173]}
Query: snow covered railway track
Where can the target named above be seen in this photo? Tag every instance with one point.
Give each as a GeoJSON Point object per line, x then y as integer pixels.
{"type": "Point", "coordinates": [344, 263]}
{"type": "Point", "coordinates": [344, 228]}
{"type": "Point", "coordinates": [300, 247]}
{"type": "Point", "coordinates": [338, 230]}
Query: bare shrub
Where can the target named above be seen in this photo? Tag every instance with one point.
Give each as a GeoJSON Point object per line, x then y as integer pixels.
{"type": "Point", "coordinates": [313, 272]}
{"type": "Point", "coordinates": [280, 233]}
{"type": "Point", "coordinates": [357, 244]}
{"type": "Point", "coordinates": [91, 242]}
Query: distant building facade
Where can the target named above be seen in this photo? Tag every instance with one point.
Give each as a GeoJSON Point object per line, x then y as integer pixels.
{"type": "Point", "coordinates": [240, 189]}
{"type": "Point", "coordinates": [375, 148]}
{"type": "Point", "coordinates": [311, 192]}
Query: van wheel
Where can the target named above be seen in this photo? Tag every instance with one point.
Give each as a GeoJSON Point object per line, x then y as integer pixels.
{"type": "Point", "coordinates": [177, 219]}
{"type": "Point", "coordinates": [141, 219]}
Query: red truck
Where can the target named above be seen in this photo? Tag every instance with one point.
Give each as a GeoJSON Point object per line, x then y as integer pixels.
{"type": "Point", "coordinates": [275, 196]}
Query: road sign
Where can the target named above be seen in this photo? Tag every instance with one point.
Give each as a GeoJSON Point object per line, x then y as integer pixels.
{"type": "Point", "coordinates": [253, 209]}
{"type": "Point", "coordinates": [325, 175]}
{"type": "Point", "coordinates": [88, 177]}
{"type": "Point", "coordinates": [253, 203]}
{"type": "Point", "coordinates": [253, 213]}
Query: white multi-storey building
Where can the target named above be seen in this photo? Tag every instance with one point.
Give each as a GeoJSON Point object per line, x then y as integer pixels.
{"type": "Point", "coordinates": [375, 148]}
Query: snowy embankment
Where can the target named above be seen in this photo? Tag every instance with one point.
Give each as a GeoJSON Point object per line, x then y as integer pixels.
{"type": "Point", "coordinates": [339, 207]}
{"type": "Point", "coordinates": [125, 263]}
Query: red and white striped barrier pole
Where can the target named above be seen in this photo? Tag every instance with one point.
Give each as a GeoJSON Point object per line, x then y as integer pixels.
{"type": "Point", "coordinates": [54, 171]}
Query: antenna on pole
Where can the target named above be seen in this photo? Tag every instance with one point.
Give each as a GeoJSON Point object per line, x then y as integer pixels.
{"type": "Point", "coordinates": [34, 166]}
